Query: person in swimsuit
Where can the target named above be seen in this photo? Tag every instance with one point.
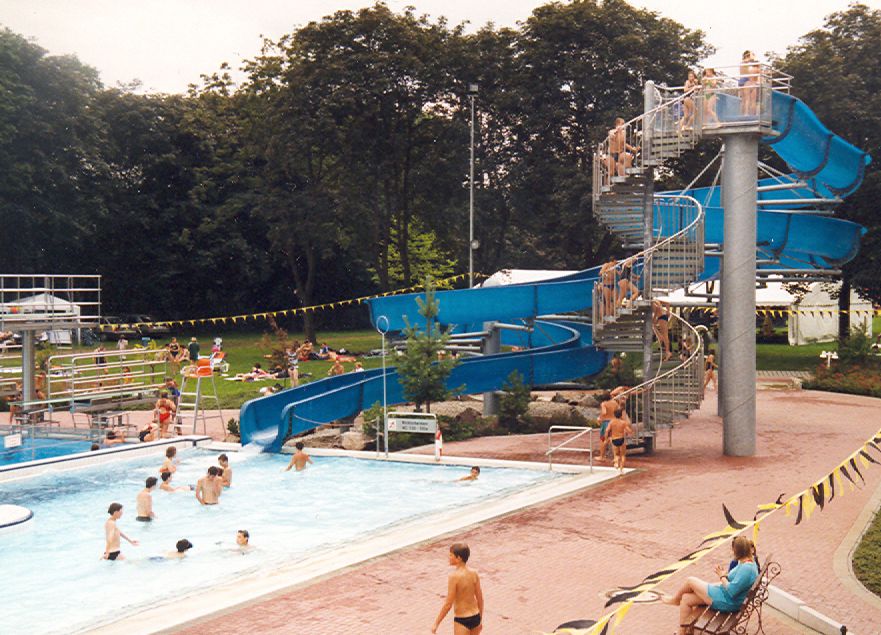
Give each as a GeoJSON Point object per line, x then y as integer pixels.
{"type": "Point", "coordinates": [608, 406]}
{"type": "Point", "coordinates": [226, 475]}
{"type": "Point", "coordinates": [464, 595]}
{"type": "Point", "coordinates": [208, 488]}
{"type": "Point", "coordinates": [299, 460]}
{"type": "Point", "coordinates": [181, 547]}
{"type": "Point", "coordinates": [169, 464]}
{"type": "Point", "coordinates": [749, 84]}
{"type": "Point", "coordinates": [621, 153]}
{"type": "Point", "coordinates": [607, 280]}
{"type": "Point", "coordinates": [619, 430]}
{"type": "Point", "coordinates": [145, 501]}
{"type": "Point", "coordinates": [727, 596]}
{"type": "Point", "coordinates": [168, 487]}
{"type": "Point", "coordinates": [472, 476]}
{"type": "Point", "coordinates": [691, 85]}
{"type": "Point", "coordinates": [710, 84]}
{"type": "Point", "coordinates": [164, 411]}
{"type": "Point", "coordinates": [627, 291]}
{"type": "Point", "coordinates": [243, 540]}
{"type": "Point", "coordinates": [661, 326]}
{"type": "Point", "coordinates": [710, 371]}
{"type": "Point", "coordinates": [685, 349]}
{"type": "Point", "coordinates": [112, 534]}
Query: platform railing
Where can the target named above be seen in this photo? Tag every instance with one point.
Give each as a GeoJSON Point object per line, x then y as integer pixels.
{"type": "Point", "coordinates": [29, 301]}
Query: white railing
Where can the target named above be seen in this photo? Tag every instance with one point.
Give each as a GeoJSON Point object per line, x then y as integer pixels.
{"type": "Point", "coordinates": [104, 374]}
{"type": "Point", "coordinates": [49, 300]}
{"type": "Point", "coordinates": [565, 445]}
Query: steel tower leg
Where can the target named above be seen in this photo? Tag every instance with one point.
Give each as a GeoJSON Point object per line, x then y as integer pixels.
{"type": "Point", "coordinates": [492, 345]}
{"type": "Point", "coordinates": [738, 336]}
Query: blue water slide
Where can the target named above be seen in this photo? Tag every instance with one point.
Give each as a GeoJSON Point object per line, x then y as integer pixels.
{"type": "Point", "coordinates": [559, 350]}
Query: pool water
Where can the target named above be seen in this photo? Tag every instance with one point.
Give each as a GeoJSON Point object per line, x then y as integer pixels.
{"type": "Point", "coordinates": [62, 585]}
{"type": "Point", "coordinates": [36, 449]}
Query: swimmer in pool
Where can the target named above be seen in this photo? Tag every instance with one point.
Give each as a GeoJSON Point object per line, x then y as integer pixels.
{"type": "Point", "coordinates": [168, 487]}
{"type": "Point", "coordinates": [243, 540]}
{"type": "Point", "coordinates": [475, 472]}
{"type": "Point", "coordinates": [145, 501]}
{"type": "Point", "coordinates": [181, 549]}
{"type": "Point", "coordinates": [209, 487]}
{"type": "Point", "coordinates": [170, 463]}
{"type": "Point", "coordinates": [300, 458]}
{"type": "Point", "coordinates": [112, 534]}
{"type": "Point", "coordinates": [226, 475]}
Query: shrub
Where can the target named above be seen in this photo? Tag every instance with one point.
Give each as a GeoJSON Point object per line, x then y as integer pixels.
{"type": "Point", "coordinates": [855, 349]}
{"type": "Point", "coordinates": [514, 404]}
{"type": "Point", "coordinates": [232, 427]}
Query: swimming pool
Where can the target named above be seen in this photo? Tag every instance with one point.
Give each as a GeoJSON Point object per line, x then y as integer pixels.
{"type": "Point", "coordinates": [61, 585]}
{"type": "Point", "coordinates": [36, 449]}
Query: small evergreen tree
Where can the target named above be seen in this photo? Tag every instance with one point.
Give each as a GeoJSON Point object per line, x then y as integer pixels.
{"type": "Point", "coordinates": [514, 403]}
{"type": "Point", "coordinates": [423, 369]}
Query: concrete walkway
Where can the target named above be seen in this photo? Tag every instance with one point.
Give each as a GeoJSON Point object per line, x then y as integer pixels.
{"type": "Point", "coordinates": [554, 562]}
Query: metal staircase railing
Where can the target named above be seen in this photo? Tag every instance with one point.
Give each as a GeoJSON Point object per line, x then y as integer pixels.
{"type": "Point", "coordinates": [623, 295]}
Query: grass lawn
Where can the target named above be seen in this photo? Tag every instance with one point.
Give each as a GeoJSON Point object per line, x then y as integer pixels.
{"type": "Point", "coordinates": [867, 557]}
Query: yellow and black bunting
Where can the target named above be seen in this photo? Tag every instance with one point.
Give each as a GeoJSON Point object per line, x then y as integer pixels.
{"type": "Point", "coordinates": [234, 319]}
{"type": "Point", "coordinates": [813, 497]}
{"type": "Point", "coordinates": [781, 312]}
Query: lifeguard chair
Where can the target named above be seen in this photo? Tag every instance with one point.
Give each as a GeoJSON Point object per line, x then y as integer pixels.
{"type": "Point", "coordinates": [191, 407]}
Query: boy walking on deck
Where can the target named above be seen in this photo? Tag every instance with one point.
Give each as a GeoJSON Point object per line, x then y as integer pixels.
{"type": "Point", "coordinates": [464, 595]}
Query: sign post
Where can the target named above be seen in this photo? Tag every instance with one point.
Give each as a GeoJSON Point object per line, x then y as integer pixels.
{"type": "Point", "coordinates": [415, 422]}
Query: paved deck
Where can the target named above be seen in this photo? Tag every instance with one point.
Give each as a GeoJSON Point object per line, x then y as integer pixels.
{"type": "Point", "coordinates": [553, 562]}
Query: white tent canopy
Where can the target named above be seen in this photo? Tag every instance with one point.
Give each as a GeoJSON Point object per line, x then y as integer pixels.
{"type": "Point", "coordinates": [521, 276]}
{"type": "Point", "coordinates": [813, 317]}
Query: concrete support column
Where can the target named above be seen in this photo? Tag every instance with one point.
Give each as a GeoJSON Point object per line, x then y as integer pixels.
{"type": "Point", "coordinates": [649, 103]}
{"type": "Point", "coordinates": [738, 336]}
{"type": "Point", "coordinates": [28, 361]}
{"type": "Point", "coordinates": [491, 345]}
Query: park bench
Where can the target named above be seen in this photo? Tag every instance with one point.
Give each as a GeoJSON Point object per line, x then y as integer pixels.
{"type": "Point", "coordinates": [712, 622]}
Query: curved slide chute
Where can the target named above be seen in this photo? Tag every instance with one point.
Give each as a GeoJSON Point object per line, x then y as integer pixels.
{"type": "Point", "coordinates": [561, 348]}
{"type": "Point", "coordinates": [822, 163]}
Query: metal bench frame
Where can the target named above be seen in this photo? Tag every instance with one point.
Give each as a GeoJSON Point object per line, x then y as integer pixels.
{"type": "Point", "coordinates": [712, 622]}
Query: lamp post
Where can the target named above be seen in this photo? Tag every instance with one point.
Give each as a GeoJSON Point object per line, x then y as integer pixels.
{"type": "Point", "coordinates": [382, 325]}
{"type": "Point", "coordinates": [472, 243]}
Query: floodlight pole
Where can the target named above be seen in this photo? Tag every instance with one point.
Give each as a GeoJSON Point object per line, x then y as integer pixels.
{"type": "Point", "coordinates": [382, 331]}
{"type": "Point", "coordinates": [472, 93]}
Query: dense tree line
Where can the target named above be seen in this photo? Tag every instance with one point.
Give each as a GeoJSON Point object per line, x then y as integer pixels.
{"type": "Point", "coordinates": [339, 166]}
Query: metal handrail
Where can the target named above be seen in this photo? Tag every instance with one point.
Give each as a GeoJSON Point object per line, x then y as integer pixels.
{"type": "Point", "coordinates": [562, 446]}
{"type": "Point", "coordinates": [688, 241]}
{"type": "Point", "coordinates": [684, 381]}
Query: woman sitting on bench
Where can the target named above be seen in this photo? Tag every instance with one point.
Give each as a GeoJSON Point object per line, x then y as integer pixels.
{"type": "Point", "coordinates": [726, 596]}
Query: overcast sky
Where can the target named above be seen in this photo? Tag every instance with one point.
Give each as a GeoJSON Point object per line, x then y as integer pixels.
{"type": "Point", "coordinates": [167, 44]}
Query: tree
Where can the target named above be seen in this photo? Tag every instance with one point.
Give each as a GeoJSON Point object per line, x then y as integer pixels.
{"type": "Point", "coordinates": [423, 370]}
{"type": "Point", "coordinates": [514, 403]}
{"type": "Point", "coordinates": [837, 71]}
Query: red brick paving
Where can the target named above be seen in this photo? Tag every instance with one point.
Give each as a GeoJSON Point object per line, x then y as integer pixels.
{"type": "Point", "coordinates": [551, 563]}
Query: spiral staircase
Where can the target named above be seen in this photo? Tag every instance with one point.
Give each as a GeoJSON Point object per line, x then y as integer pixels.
{"type": "Point", "coordinates": [627, 205]}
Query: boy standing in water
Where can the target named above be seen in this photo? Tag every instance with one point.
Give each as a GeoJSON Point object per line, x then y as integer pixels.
{"type": "Point", "coordinates": [112, 534]}
{"type": "Point", "coordinates": [145, 502]}
{"type": "Point", "coordinates": [226, 475]}
{"type": "Point", "coordinates": [299, 459]}
{"type": "Point", "coordinates": [464, 595]}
